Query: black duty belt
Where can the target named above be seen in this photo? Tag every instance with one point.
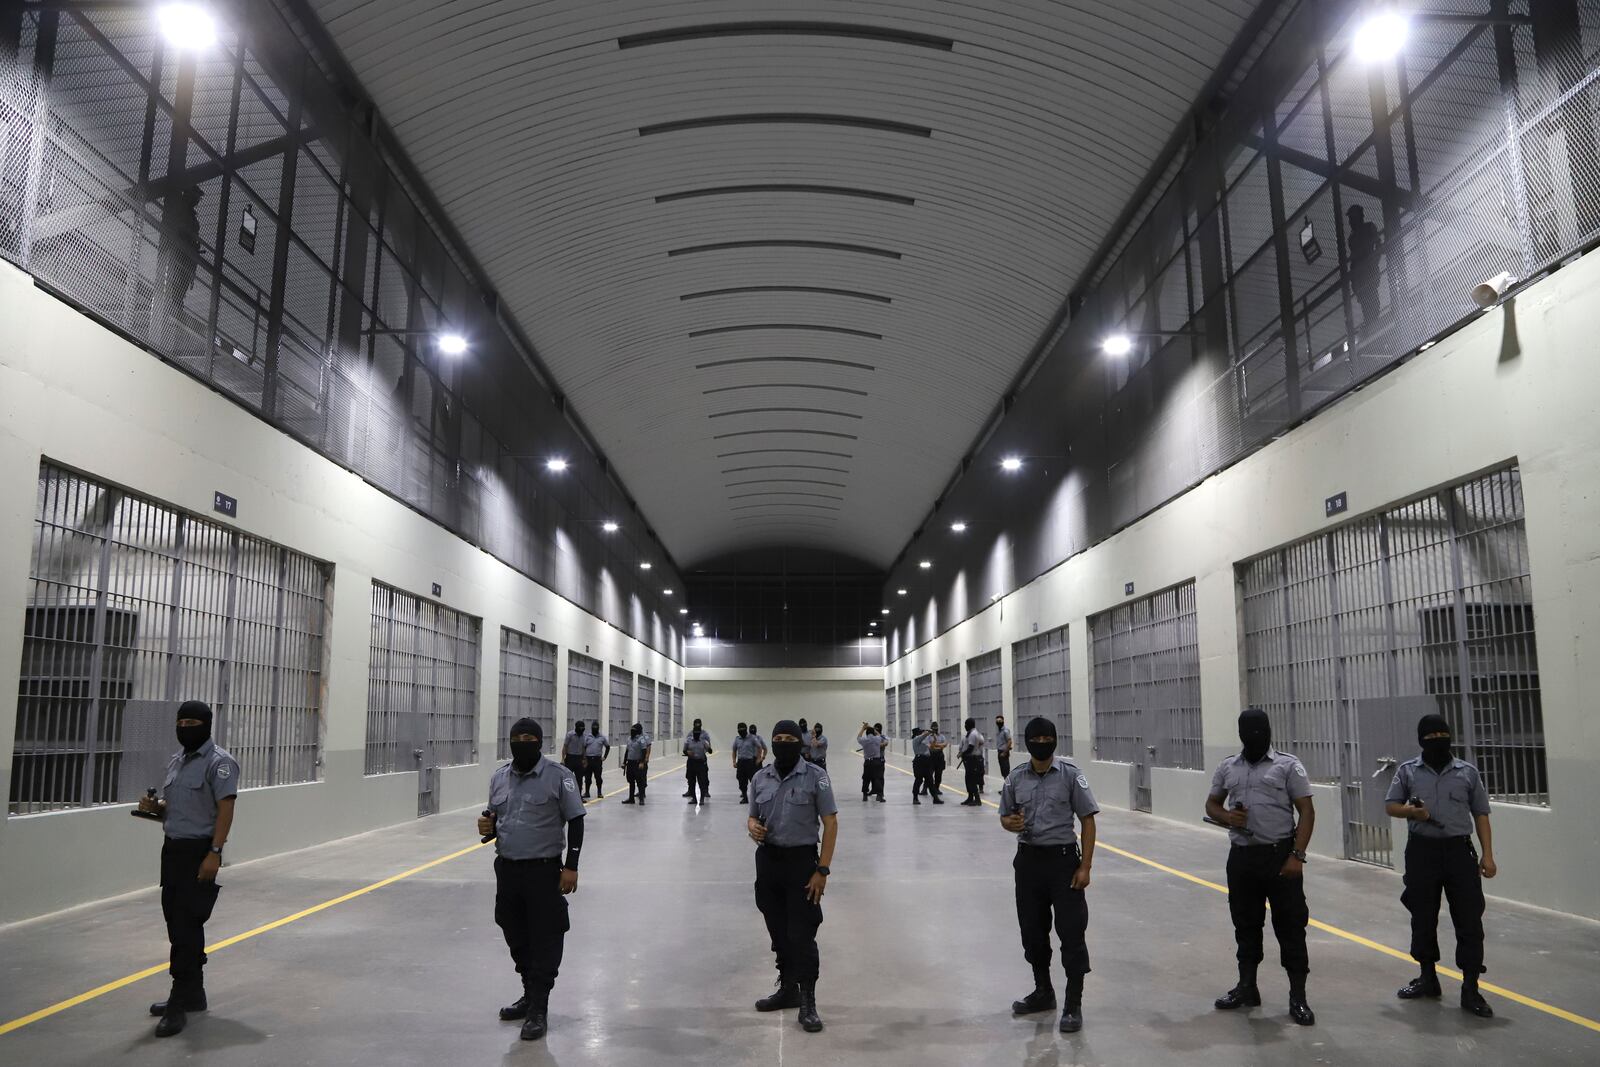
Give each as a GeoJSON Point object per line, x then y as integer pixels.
{"type": "Point", "coordinates": [542, 859]}
{"type": "Point", "coordinates": [1048, 850]}
{"type": "Point", "coordinates": [1289, 841]}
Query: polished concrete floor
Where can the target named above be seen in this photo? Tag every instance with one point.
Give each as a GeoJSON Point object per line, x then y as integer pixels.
{"type": "Point", "coordinates": [919, 952]}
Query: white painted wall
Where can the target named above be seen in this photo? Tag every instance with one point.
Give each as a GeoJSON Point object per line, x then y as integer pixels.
{"type": "Point", "coordinates": [839, 697]}
{"type": "Point", "coordinates": [75, 392]}
{"type": "Point", "coordinates": [1518, 384]}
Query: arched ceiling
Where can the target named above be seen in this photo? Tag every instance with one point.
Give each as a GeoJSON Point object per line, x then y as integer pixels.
{"type": "Point", "coordinates": [783, 258]}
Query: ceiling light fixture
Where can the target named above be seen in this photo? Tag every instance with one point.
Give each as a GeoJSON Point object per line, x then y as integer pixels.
{"type": "Point", "coordinates": [883, 611]}
{"type": "Point", "coordinates": [666, 592]}
{"type": "Point", "coordinates": [452, 344]}
{"type": "Point", "coordinates": [900, 592]}
{"type": "Point", "coordinates": [958, 527]}
{"type": "Point", "coordinates": [610, 527]}
{"type": "Point", "coordinates": [555, 465]}
{"type": "Point", "coordinates": [1011, 463]}
{"type": "Point", "coordinates": [1118, 345]}
{"type": "Point", "coordinates": [926, 564]}
{"type": "Point", "coordinates": [683, 611]}
{"type": "Point", "coordinates": [645, 565]}
{"type": "Point", "coordinates": [1381, 36]}
{"type": "Point", "coordinates": [187, 26]}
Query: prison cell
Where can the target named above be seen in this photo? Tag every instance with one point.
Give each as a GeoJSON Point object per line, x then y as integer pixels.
{"type": "Point", "coordinates": [527, 686]}
{"type": "Point", "coordinates": [135, 606]}
{"type": "Point", "coordinates": [985, 698]}
{"type": "Point", "coordinates": [583, 689]}
{"type": "Point", "coordinates": [922, 693]}
{"type": "Point", "coordinates": [619, 708]}
{"type": "Point", "coordinates": [1041, 683]}
{"type": "Point", "coordinates": [1352, 635]}
{"type": "Point", "coordinates": [904, 701]}
{"type": "Point", "coordinates": [949, 683]}
{"type": "Point", "coordinates": [646, 716]}
{"type": "Point", "coordinates": [422, 690]}
{"type": "Point", "coordinates": [891, 714]}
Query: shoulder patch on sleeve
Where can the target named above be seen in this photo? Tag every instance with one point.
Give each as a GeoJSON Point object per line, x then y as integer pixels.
{"type": "Point", "coordinates": [224, 771]}
{"type": "Point", "coordinates": [823, 783]}
{"type": "Point", "coordinates": [1083, 782]}
{"type": "Point", "coordinates": [569, 784]}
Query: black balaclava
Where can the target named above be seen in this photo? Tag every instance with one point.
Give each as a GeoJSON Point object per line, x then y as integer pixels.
{"type": "Point", "coordinates": [971, 725]}
{"type": "Point", "coordinates": [877, 728]}
{"type": "Point", "coordinates": [525, 754]}
{"type": "Point", "coordinates": [594, 728]}
{"type": "Point", "coordinates": [1040, 726]}
{"type": "Point", "coordinates": [697, 729]}
{"type": "Point", "coordinates": [916, 731]}
{"type": "Point", "coordinates": [1435, 751]}
{"type": "Point", "coordinates": [578, 729]}
{"type": "Point", "coordinates": [637, 731]}
{"type": "Point", "coordinates": [785, 754]}
{"type": "Point", "coordinates": [743, 729]}
{"type": "Point", "coordinates": [802, 725]}
{"type": "Point", "coordinates": [1255, 731]}
{"type": "Point", "coordinates": [192, 737]}
{"type": "Point", "coordinates": [816, 729]}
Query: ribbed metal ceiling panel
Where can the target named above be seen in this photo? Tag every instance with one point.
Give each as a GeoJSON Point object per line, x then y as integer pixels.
{"type": "Point", "coordinates": [765, 237]}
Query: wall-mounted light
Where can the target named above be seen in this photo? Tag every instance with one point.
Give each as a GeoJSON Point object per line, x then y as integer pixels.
{"type": "Point", "coordinates": [452, 344]}
{"type": "Point", "coordinates": [1381, 36]}
{"type": "Point", "coordinates": [189, 27]}
{"type": "Point", "coordinates": [1117, 345]}
{"type": "Point", "coordinates": [555, 465]}
{"type": "Point", "coordinates": [1487, 294]}
{"type": "Point", "coordinates": [1310, 247]}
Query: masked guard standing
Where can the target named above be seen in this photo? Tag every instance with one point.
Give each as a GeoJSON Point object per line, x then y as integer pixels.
{"type": "Point", "coordinates": [789, 799]}
{"type": "Point", "coordinates": [533, 808]}
{"type": "Point", "coordinates": [636, 762]}
{"type": "Point", "coordinates": [1257, 794]}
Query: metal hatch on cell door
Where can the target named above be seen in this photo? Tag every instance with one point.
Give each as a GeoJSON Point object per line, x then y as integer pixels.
{"type": "Point", "coordinates": [1380, 746]}
{"type": "Point", "coordinates": [419, 727]}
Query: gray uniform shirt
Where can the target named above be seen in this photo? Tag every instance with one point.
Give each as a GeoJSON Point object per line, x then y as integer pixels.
{"type": "Point", "coordinates": [573, 745]}
{"type": "Point", "coordinates": [195, 782]}
{"type": "Point", "coordinates": [816, 747]}
{"type": "Point", "coordinates": [1048, 802]}
{"type": "Point", "coordinates": [637, 747]}
{"type": "Point", "coordinates": [697, 749]}
{"type": "Point", "coordinates": [595, 745]}
{"type": "Point", "coordinates": [1452, 798]}
{"type": "Point", "coordinates": [1267, 789]}
{"type": "Point", "coordinates": [746, 747]}
{"type": "Point", "coordinates": [919, 745]}
{"type": "Point", "coordinates": [871, 745]}
{"type": "Point", "coordinates": [532, 810]}
{"type": "Point", "coordinates": [974, 742]}
{"type": "Point", "coordinates": [936, 739]}
{"type": "Point", "coordinates": [1002, 740]}
{"type": "Point", "coordinates": [792, 807]}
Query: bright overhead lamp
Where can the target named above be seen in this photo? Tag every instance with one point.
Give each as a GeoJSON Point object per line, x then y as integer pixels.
{"type": "Point", "coordinates": [645, 565]}
{"type": "Point", "coordinates": [899, 592]}
{"type": "Point", "coordinates": [666, 592]}
{"type": "Point", "coordinates": [958, 527]}
{"type": "Point", "coordinates": [926, 564]}
{"type": "Point", "coordinates": [1381, 36]}
{"type": "Point", "coordinates": [189, 27]}
{"type": "Point", "coordinates": [883, 611]}
{"type": "Point", "coordinates": [610, 527]}
{"type": "Point", "coordinates": [874, 622]}
{"type": "Point", "coordinates": [1011, 463]}
{"type": "Point", "coordinates": [1118, 344]}
{"type": "Point", "coordinates": [683, 611]}
{"type": "Point", "coordinates": [555, 465]}
{"type": "Point", "coordinates": [452, 344]}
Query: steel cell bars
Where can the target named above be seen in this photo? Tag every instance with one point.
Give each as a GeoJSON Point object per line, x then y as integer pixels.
{"type": "Point", "coordinates": [619, 708]}
{"type": "Point", "coordinates": [1146, 680]}
{"type": "Point", "coordinates": [422, 693]}
{"type": "Point", "coordinates": [922, 691]}
{"type": "Point", "coordinates": [527, 685]}
{"type": "Point", "coordinates": [647, 705]}
{"type": "Point", "coordinates": [949, 686]}
{"type": "Point", "coordinates": [1427, 606]}
{"type": "Point", "coordinates": [134, 607]}
{"type": "Point", "coordinates": [1041, 682]}
{"type": "Point", "coordinates": [985, 698]}
{"type": "Point", "coordinates": [583, 689]}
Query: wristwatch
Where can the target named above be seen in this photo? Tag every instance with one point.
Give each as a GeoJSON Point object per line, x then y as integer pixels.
{"type": "Point", "coordinates": [1299, 854]}
{"type": "Point", "coordinates": [216, 850]}
{"type": "Point", "coordinates": [824, 871]}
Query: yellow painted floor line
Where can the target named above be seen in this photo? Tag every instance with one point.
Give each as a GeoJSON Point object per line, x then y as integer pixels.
{"type": "Point", "coordinates": [1327, 928]}
{"type": "Point", "coordinates": [149, 972]}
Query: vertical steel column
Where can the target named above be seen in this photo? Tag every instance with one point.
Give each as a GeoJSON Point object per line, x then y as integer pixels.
{"type": "Point", "coordinates": [1336, 193]}
{"type": "Point", "coordinates": [174, 645]}
{"type": "Point", "coordinates": [275, 701]}
{"type": "Point", "coordinates": [224, 208]}
{"type": "Point", "coordinates": [1458, 596]}
{"type": "Point", "coordinates": [44, 65]}
{"type": "Point", "coordinates": [168, 302]}
{"type": "Point", "coordinates": [229, 626]}
{"type": "Point", "coordinates": [91, 725]}
{"type": "Point", "coordinates": [1351, 778]}
{"type": "Point", "coordinates": [280, 248]}
{"type": "Point", "coordinates": [1280, 249]}
{"type": "Point", "coordinates": [1383, 152]}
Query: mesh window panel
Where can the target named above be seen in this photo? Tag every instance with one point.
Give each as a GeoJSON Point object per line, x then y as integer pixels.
{"type": "Point", "coordinates": [527, 687]}
{"type": "Point", "coordinates": [1146, 680]}
{"type": "Point", "coordinates": [647, 705]}
{"type": "Point", "coordinates": [984, 697]}
{"type": "Point", "coordinates": [619, 708]}
{"type": "Point", "coordinates": [134, 607]}
{"type": "Point", "coordinates": [1041, 675]}
{"type": "Point", "coordinates": [583, 689]}
{"type": "Point", "coordinates": [949, 684]}
{"type": "Point", "coordinates": [1428, 602]}
{"type": "Point", "coordinates": [422, 683]}
{"type": "Point", "coordinates": [923, 692]}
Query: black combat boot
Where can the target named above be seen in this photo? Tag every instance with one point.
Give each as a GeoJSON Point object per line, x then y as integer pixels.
{"type": "Point", "coordinates": [189, 998]}
{"type": "Point", "coordinates": [787, 995]}
{"type": "Point", "coordinates": [535, 1025]}
{"type": "Point", "coordinates": [173, 1020]}
{"type": "Point", "coordinates": [810, 1022]}
{"type": "Point", "coordinates": [1299, 1010]}
{"type": "Point", "coordinates": [1472, 1000]}
{"type": "Point", "coordinates": [516, 1010]}
{"type": "Point", "coordinates": [1424, 985]}
{"type": "Point", "coordinates": [1072, 1011]}
{"type": "Point", "coordinates": [1043, 997]}
{"type": "Point", "coordinates": [1243, 995]}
